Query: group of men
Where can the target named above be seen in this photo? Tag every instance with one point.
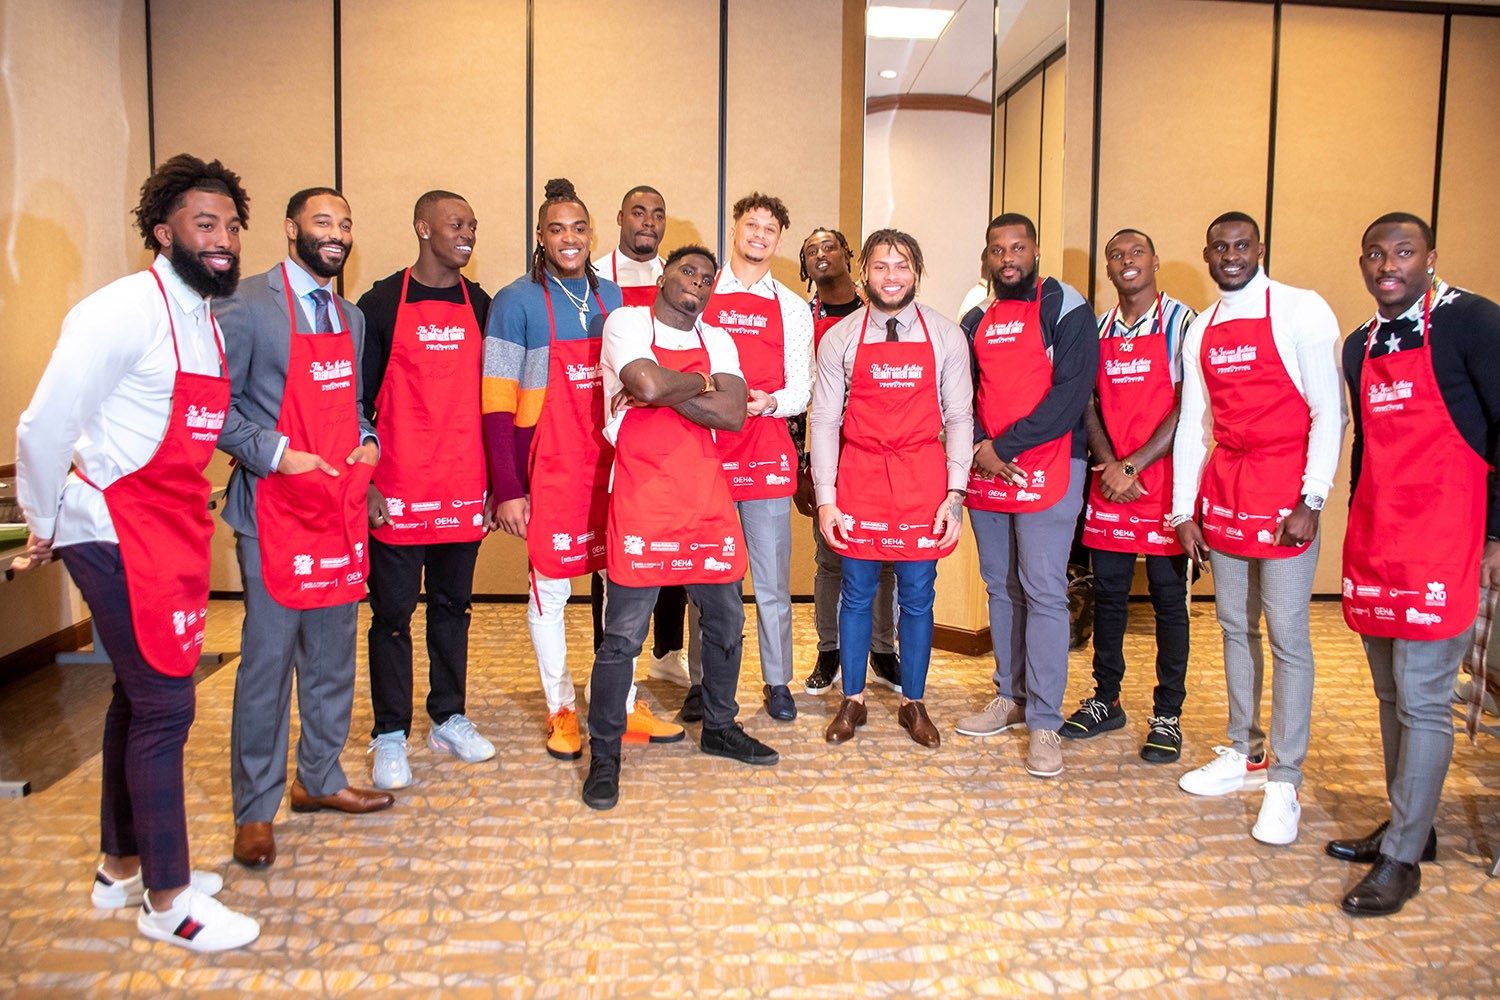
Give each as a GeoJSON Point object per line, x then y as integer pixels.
{"type": "Point", "coordinates": [640, 420]}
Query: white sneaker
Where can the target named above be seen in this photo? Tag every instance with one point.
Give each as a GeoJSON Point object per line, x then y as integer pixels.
{"type": "Point", "coordinates": [391, 768]}
{"type": "Point", "coordinates": [1229, 772]}
{"type": "Point", "coordinates": [118, 893]}
{"type": "Point", "coordinates": [670, 668]}
{"type": "Point", "coordinates": [458, 737]}
{"type": "Point", "coordinates": [198, 923]}
{"type": "Point", "coordinates": [1280, 813]}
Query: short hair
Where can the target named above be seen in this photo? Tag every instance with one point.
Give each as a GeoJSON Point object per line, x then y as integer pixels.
{"type": "Point", "coordinates": [770, 203]}
{"type": "Point", "coordinates": [691, 250]}
{"type": "Point", "coordinates": [1233, 217]}
{"type": "Point", "coordinates": [641, 189]}
{"type": "Point", "coordinates": [802, 258]}
{"type": "Point", "coordinates": [301, 198]}
{"type": "Point", "coordinates": [431, 198]}
{"type": "Point", "coordinates": [164, 191]}
{"type": "Point", "coordinates": [1403, 218]}
{"type": "Point", "coordinates": [1012, 219]}
{"type": "Point", "coordinates": [1137, 232]}
{"type": "Point", "coordinates": [905, 243]}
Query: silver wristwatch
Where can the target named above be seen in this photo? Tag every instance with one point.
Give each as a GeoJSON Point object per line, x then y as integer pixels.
{"type": "Point", "coordinates": [1313, 501]}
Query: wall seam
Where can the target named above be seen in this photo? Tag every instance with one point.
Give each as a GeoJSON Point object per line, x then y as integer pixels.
{"type": "Point", "coordinates": [338, 111]}
{"type": "Point", "coordinates": [724, 121]}
{"type": "Point", "coordinates": [528, 237]}
{"type": "Point", "coordinates": [1271, 138]}
{"type": "Point", "coordinates": [1094, 178]}
{"type": "Point", "coordinates": [1442, 114]}
{"type": "Point", "coordinates": [150, 91]}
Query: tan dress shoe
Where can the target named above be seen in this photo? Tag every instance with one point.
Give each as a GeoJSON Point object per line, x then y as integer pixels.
{"type": "Point", "coordinates": [347, 800]}
{"type": "Point", "coordinates": [851, 716]}
{"type": "Point", "coordinates": [254, 845]}
{"type": "Point", "coordinates": [913, 719]}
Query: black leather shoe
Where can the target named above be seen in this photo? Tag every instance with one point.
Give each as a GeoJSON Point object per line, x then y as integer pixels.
{"type": "Point", "coordinates": [779, 703]}
{"type": "Point", "coordinates": [1385, 889]}
{"type": "Point", "coordinates": [601, 789]}
{"type": "Point", "coordinates": [887, 669]}
{"type": "Point", "coordinates": [736, 744]}
{"type": "Point", "coordinates": [692, 705]}
{"type": "Point", "coordinates": [823, 672]}
{"type": "Point", "coordinates": [1367, 848]}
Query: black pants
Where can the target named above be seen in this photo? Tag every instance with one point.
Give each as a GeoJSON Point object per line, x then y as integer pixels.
{"type": "Point", "coordinates": [395, 584]}
{"type": "Point", "coordinates": [629, 613]}
{"type": "Point", "coordinates": [1166, 577]}
{"type": "Point", "coordinates": [666, 634]}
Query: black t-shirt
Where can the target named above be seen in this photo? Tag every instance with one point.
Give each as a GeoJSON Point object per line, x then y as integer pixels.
{"type": "Point", "coordinates": [840, 309]}
{"type": "Point", "coordinates": [379, 305]}
{"type": "Point", "coordinates": [1465, 332]}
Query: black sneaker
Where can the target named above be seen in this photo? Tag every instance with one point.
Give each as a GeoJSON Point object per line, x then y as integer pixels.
{"type": "Point", "coordinates": [887, 670]}
{"type": "Point", "coordinates": [1163, 740]}
{"type": "Point", "coordinates": [601, 789]}
{"type": "Point", "coordinates": [1092, 718]}
{"type": "Point", "coordinates": [736, 744]}
{"type": "Point", "coordinates": [824, 672]}
{"type": "Point", "coordinates": [692, 705]}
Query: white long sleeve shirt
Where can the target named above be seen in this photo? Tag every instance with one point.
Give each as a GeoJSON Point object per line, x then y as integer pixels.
{"type": "Point", "coordinates": [627, 272]}
{"type": "Point", "coordinates": [1307, 336]}
{"type": "Point", "coordinates": [796, 338]}
{"type": "Point", "coordinates": [104, 400]}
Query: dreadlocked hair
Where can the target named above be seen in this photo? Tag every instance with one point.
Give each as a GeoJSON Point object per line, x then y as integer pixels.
{"type": "Point", "coordinates": [164, 191]}
{"type": "Point", "coordinates": [802, 262]}
{"type": "Point", "coordinates": [558, 191]}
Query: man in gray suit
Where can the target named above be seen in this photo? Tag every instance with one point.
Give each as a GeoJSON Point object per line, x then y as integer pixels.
{"type": "Point", "coordinates": [296, 501]}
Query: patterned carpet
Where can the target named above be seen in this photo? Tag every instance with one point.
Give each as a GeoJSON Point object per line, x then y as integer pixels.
{"type": "Point", "coordinates": [876, 868]}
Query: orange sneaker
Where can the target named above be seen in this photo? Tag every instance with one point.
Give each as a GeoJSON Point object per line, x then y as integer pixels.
{"type": "Point", "coordinates": [643, 727]}
{"type": "Point", "coordinates": [562, 735]}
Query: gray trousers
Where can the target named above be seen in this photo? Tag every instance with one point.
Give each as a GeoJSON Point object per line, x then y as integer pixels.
{"type": "Point", "coordinates": [274, 641]}
{"type": "Point", "coordinates": [1414, 681]}
{"type": "Point", "coordinates": [768, 542]}
{"type": "Point", "coordinates": [827, 579]}
{"type": "Point", "coordinates": [1024, 561]}
{"type": "Point", "coordinates": [1282, 588]}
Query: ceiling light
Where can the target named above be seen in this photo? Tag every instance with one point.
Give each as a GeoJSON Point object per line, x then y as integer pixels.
{"type": "Point", "coordinates": [906, 22]}
{"type": "Point", "coordinates": [888, 74]}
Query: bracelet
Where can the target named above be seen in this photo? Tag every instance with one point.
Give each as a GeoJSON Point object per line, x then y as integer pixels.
{"type": "Point", "coordinates": [708, 382]}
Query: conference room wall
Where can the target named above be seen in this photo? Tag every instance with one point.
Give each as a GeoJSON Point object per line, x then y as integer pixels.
{"type": "Point", "coordinates": [371, 96]}
{"type": "Point", "coordinates": [1468, 203]}
{"type": "Point", "coordinates": [1030, 123]}
{"type": "Point", "coordinates": [74, 128]}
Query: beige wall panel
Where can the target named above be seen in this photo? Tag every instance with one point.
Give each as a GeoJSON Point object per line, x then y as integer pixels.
{"type": "Point", "coordinates": [1078, 169]}
{"type": "Point", "coordinates": [1050, 212]}
{"type": "Point", "coordinates": [404, 96]}
{"type": "Point", "coordinates": [626, 94]}
{"type": "Point", "coordinates": [73, 128]}
{"type": "Point", "coordinates": [1023, 149]}
{"type": "Point", "coordinates": [852, 119]}
{"type": "Point", "coordinates": [1156, 171]}
{"type": "Point", "coordinates": [1325, 193]}
{"type": "Point", "coordinates": [1470, 197]}
{"type": "Point", "coordinates": [250, 84]}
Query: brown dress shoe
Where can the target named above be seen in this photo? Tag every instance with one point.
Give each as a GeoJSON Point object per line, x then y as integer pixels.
{"type": "Point", "coordinates": [347, 799]}
{"type": "Point", "coordinates": [851, 716]}
{"type": "Point", "coordinates": [254, 845]}
{"type": "Point", "coordinates": [913, 719]}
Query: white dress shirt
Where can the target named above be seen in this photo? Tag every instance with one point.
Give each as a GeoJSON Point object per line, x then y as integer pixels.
{"type": "Point", "coordinates": [104, 399]}
{"type": "Point", "coordinates": [627, 272]}
{"type": "Point", "coordinates": [796, 339]}
{"type": "Point", "coordinates": [1307, 339]}
{"type": "Point", "coordinates": [628, 335]}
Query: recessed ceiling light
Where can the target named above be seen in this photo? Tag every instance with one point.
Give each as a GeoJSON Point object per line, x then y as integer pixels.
{"type": "Point", "coordinates": [906, 22]}
{"type": "Point", "coordinates": [888, 74]}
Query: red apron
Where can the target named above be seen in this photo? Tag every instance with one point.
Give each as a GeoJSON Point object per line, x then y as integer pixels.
{"type": "Point", "coordinates": [313, 527]}
{"type": "Point", "coordinates": [1401, 582]}
{"type": "Point", "coordinates": [1135, 393]}
{"type": "Point", "coordinates": [160, 514]}
{"type": "Point", "coordinates": [1015, 374]}
{"type": "Point", "coordinates": [431, 467]}
{"type": "Point", "coordinates": [568, 468]}
{"type": "Point", "coordinates": [893, 471]}
{"type": "Point", "coordinates": [1254, 474]}
{"type": "Point", "coordinates": [630, 295]}
{"type": "Point", "coordinates": [759, 461]}
{"type": "Point", "coordinates": [671, 518]}
{"type": "Point", "coordinates": [821, 324]}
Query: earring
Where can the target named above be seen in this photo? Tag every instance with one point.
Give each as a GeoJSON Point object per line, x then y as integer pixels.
{"type": "Point", "coordinates": [1431, 271]}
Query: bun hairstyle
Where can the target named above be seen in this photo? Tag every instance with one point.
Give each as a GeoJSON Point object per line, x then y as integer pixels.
{"type": "Point", "coordinates": [557, 191]}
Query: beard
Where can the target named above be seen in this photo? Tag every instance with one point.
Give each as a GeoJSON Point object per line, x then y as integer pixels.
{"type": "Point", "coordinates": [888, 306]}
{"type": "Point", "coordinates": [200, 277]}
{"type": "Point", "coordinates": [643, 243]}
{"type": "Point", "coordinates": [307, 253]}
{"type": "Point", "coordinates": [1022, 285]}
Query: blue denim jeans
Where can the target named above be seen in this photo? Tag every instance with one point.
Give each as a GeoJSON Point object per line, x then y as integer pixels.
{"type": "Point", "coordinates": [915, 583]}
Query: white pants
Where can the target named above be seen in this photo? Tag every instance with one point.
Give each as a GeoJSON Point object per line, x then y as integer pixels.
{"type": "Point", "coordinates": [546, 606]}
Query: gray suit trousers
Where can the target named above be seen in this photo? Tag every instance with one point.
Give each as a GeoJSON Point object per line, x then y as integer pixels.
{"type": "Point", "coordinates": [276, 640]}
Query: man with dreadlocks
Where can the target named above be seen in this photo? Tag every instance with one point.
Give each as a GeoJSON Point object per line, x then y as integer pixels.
{"type": "Point", "coordinates": [826, 263]}
{"type": "Point", "coordinates": [132, 402]}
{"type": "Point", "coordinates": [543, 402]}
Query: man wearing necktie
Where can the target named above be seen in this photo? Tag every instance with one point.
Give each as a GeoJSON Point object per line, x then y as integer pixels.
{"type": "Point", "coordinates": [304, 454]}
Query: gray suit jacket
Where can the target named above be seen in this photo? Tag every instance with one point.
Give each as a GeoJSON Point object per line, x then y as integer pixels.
{"type": "Point", "coordinates": [257, 344]}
